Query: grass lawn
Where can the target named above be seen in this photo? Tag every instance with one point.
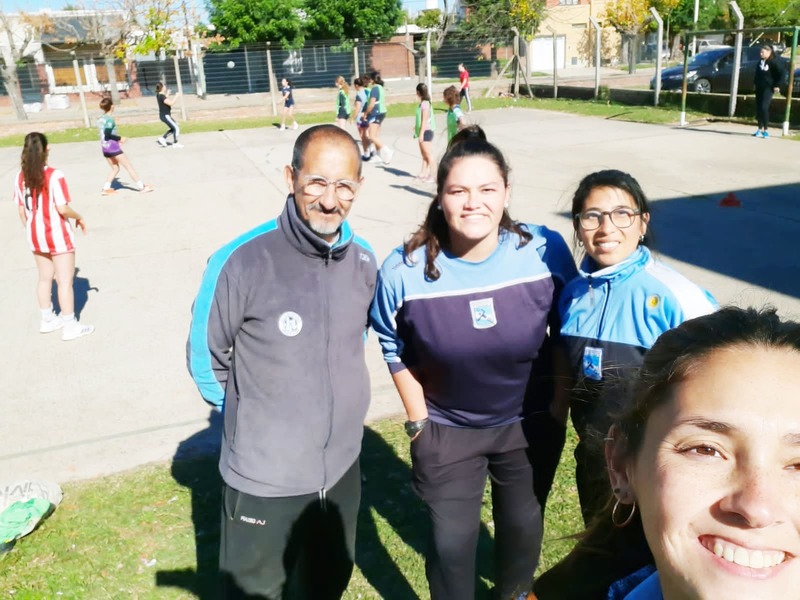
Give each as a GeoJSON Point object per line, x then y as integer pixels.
{"type": "Point", "coordinates": [153, 532]}
{"type": "Point", "coordinates": [622, 112]}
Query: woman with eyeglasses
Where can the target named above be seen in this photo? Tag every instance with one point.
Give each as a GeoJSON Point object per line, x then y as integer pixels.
{"type": "Point", "coordinates": [613, 311]}
{"type": "Point", "coordinates": [43, 203]}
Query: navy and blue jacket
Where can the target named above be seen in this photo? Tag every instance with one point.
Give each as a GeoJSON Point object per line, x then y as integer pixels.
{"type": "Point", "coordinates": [277, 339]}
{"type": "Point", "coordinates": [471, 336]}
{"type": "Point", "coordinates": [612, 316]}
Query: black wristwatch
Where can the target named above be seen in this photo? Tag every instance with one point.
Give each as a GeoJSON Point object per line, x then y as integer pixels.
{"type": "Point", "coordinates": [414, 427]}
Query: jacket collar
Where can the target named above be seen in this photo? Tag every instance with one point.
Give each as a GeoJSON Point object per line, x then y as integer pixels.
{"type": "Point", "coordinates": [635, 262]}
{"type": "Point", "coordinates": [306, 241]}
{"type": "Point", "coordinates": [644, 584]}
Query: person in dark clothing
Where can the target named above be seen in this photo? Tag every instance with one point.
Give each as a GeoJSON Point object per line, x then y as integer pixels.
{"type": "Point", "coordinates": [165, 102]}
{"type": "Point", "coordinates": [769, 75]}
{"type": "Point", "coordinates": [277, 344]}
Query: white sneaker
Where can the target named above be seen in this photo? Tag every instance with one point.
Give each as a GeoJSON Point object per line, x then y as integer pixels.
{"type": "Point", "coordinates": [283, 127]}
{"type": "Point", "coordinates": [371, 150]}
{"type": "Point", "coordinates": [294, 126]}
{"type": "Point", "coordinates": [50, 325]}
{"type": "Point", "coordinates": [162, 142]}
{"type": "Point", "coordinates": [386, 154]}
{"type": "Point", "coordinates": [75, 330]}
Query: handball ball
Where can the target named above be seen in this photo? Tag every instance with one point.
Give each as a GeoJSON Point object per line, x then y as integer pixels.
{"type": "Point", "coordinates": [231, 64]}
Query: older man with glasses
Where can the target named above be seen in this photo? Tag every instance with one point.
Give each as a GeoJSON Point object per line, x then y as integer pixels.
{"type": "Point", "coordinates": [276, 342]}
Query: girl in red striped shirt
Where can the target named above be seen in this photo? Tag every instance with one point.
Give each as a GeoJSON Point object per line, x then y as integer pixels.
{"type": "Point", "coordinates": [42, 200]}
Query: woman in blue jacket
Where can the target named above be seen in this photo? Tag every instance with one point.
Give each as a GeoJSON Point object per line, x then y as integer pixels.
{"type": "Point", "coordinates": [613, 311]}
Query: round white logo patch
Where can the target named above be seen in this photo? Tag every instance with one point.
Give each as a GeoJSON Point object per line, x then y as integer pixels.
{"type": "Point", "coordinates": [290, 323]}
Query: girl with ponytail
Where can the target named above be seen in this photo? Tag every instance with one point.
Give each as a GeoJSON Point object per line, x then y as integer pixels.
{"type": "Point", "coordinates": [42, 199]}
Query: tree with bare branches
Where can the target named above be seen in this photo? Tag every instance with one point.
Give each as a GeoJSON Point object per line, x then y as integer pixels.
{"type": "Point", "coordinates": [20, 31]}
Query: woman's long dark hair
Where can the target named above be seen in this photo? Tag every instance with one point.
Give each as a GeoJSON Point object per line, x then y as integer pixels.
{"type": "Point", "coordinates": [607, 553]}
{"type": "Point", "coordinates": [422, 91]}
{"type": "Point", "coordinates": [434, 233]}
{"type": "Point", "coordinates": [375, 76]}
{"type": "Point", "coordinates": [33, 161]}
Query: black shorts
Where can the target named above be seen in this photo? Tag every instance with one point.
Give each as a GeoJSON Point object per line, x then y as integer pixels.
{"type": "Point", "coordinates": [342, 114]}
{"type": "Point", "coordinates": [112, 154]}
{"type": "Point", "coordinates": [377, 118]}
{"type": "Point", "coordinates": [427, 135]}
{"type": "Point", "coordinates": [288, 104]}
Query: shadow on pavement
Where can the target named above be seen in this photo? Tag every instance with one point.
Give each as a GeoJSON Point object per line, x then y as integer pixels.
{"type": "Point", "coordinates": [755, 242]}
{"type": "Point", "coordinates": [413, 190]}
{"type": "Point", "coordinates": [195, 466]}
{"type": "Point", "coordinates": [80, 289]}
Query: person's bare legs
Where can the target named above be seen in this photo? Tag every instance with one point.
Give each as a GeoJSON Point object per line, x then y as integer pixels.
{"type": "Point", "coordinates": [365, 141]}
{"type": "Point", "coordinates": [114, 171]}
{"type": "Point", "coordinates": [374, 134]}
{"type": "Point", "coordinates": [44, 286]}
{"type": "Point", "coordinates": [291, 114]}
{"type": "Point", "coordinates": [65, 271]}
{"type": "Point", "coordinates": [425, 148]}
{"type": "Point", "coordinates": [283, 117]}
{"type": "Point", "coordinates": [125, 162]}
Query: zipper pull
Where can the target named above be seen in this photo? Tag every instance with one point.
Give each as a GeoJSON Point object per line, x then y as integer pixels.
{"type": "Point", "coordinates": [591, 291]}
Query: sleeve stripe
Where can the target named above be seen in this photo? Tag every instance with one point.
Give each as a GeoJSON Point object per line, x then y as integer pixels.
{"type": "Point", "coordinates": [200, 366]}
{"type": "Point", "coordinates": [693, 300]}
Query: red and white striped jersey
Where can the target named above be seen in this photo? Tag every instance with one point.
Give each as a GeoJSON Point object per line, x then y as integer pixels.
{"type": "Point", "coordinates": [48, 232]}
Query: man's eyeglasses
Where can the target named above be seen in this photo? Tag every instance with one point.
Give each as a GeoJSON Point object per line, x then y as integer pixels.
{"type": "Point", "coordinates": [316, 186]}
{"type": "Point", "coordinates": [620, 217]}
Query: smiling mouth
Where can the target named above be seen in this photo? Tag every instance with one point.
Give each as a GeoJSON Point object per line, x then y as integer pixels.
{"type": "Point", "coordinates": [607, 245]}
{"type": "Point", "coordinates": [745, 557]}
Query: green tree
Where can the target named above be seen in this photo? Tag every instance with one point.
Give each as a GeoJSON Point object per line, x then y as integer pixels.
{"type": "Point", "coordinates": [429, 19]}
{"type": "Point", "coordinates": [769, 13]}
{"type": "Point", "coordinates": [19, 32]}
{"type": "Point", "coordinates": [527, 15]}
{"type": "Point", "coordinates": [348, 19]}
{"type": "Point", "coordinates": [291, 22]}
{"type": "Point", "coordinates": [249, 21]}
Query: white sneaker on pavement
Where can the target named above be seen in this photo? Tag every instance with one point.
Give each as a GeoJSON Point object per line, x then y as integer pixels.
{"type": "Point", "coordinates": [162, 142]}
{"type": "Point", "coordinates": [74, 330]}
{"type": "Point", "coordinates": [50, 325]}
{"type": "Point", "coordinates": [386, 154]}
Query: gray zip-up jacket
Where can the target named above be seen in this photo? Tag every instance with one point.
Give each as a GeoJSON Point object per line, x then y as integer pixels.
{"type": "Point", "coordinates": [277, 342]}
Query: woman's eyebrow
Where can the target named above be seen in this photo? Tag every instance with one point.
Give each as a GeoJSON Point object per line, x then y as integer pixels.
{"type": "Point", "coordinates": [708, 425]}
{"type": "Point", "coordinates": [793, 439]}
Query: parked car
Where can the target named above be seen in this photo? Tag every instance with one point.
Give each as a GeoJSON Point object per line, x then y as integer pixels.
{"type": "Point", "coordinates": [711, 71]}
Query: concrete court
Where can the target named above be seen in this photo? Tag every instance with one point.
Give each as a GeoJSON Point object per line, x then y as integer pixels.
{"type": "Point", "coordinates": [122, 397]}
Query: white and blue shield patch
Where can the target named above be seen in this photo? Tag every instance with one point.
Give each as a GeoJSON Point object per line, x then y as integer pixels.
{"type": "Point", "coordinates": [593, 363]}
{"type": "Point", "coordinates": [483, 315]}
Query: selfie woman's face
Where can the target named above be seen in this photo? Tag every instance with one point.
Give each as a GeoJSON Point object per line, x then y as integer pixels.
{"type": "Point", "coordinates": [717, 479]}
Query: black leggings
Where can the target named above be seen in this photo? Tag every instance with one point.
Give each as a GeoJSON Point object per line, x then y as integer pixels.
{"type": "Point", "coordinates": [173, 127]}
{"type": "Point", "coordinates": [763, 98]}
{"type": "Point", "coordinates": [450, 466]}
